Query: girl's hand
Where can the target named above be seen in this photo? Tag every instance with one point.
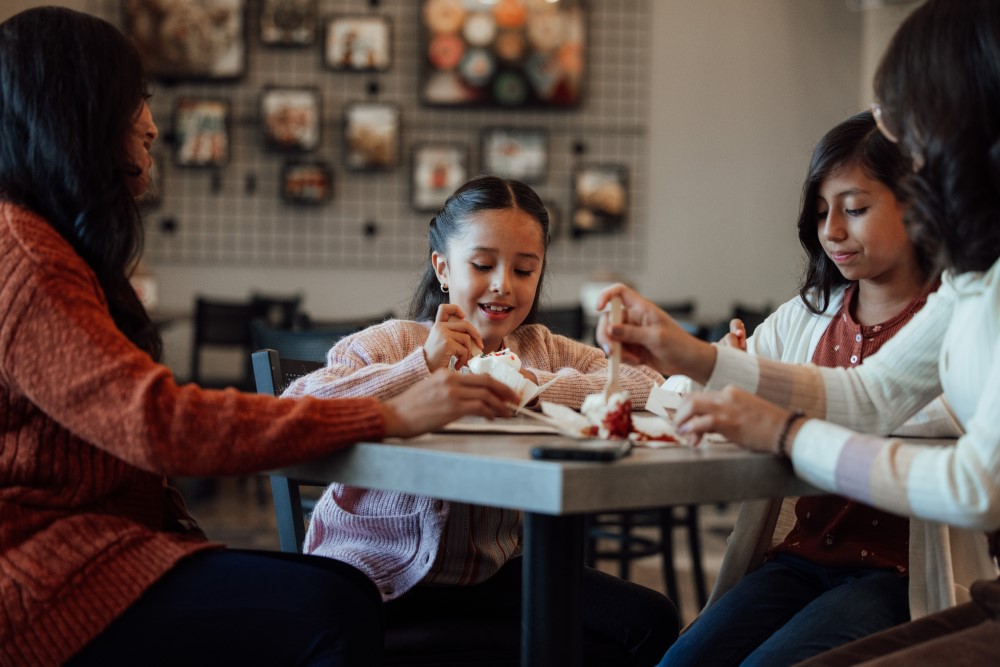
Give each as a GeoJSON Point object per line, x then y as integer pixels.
{"type": "Point", "coordinates": [451, 336]}
{"type": "Point", "coordinates": [737, 336]}
{"type": "Point", "coordinates": [741, 417]}
{"type": "Point", "coordinates": [649, 336]}
{"type": "Point", "coordinates": [444, 397]}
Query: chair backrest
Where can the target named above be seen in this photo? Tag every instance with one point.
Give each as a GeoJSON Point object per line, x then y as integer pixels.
{"type": "Point", "coordinates": [304, 344]}
{"type": "Point", "coordinates": [751, 316]}
{"type": "Point", "coordinates": [280, 312]}
{"type": "Point", "coordinates": [273, 374]}
{"type": "Point", "coordinates": [679, 309]}
{"type": "Point", "coordinates": [221, 323]}
{"type": "Point", "coordinates": [564, 320]}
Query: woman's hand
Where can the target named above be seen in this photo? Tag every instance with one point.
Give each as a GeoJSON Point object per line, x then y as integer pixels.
{"type": "Point", "coordinates": [451, 336]}
{"type": "Point", "coordinates": [649, 336]}
{"type": "Point", "coordinates": [737, 336]}
{"type": "Point", "coordinates": [741, 417]}
{"type": "Point", "coordinates": [444, 397]}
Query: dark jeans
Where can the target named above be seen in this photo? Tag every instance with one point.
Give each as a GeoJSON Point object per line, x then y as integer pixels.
{"type": "Point", "coordinates": [623, 623]}
{"type": "Point", "coordinates": [232, 607]}
{"type": "Point", "coordinates": [791, 609]}
{"type": "Point", "coordinates": [963, 636]}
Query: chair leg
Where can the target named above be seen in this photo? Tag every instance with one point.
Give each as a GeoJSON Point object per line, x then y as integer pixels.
{"type": "Point", "coordinates": [665, 517]}
{"type": "Point", "coordinates": [694, 543]}
{"type": "Point", "coordinates": [590, 541]}
{"type": "Point", "coordinates": [625, 558]}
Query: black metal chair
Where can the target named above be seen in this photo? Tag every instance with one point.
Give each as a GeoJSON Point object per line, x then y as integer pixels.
{"type": "Point", "coordinates": [626, 545]}
{"type": "Point", "coordinates": [303, 344]}
{"type": "Point", "coordinates": [563, 320]}
{"type": "Point", "coordinates": [226, 324]}
{"type": "Point", "coordinates": [751, 316]}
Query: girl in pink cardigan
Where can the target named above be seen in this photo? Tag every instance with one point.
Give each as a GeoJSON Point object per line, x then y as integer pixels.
{"type": "Point", "coordinates": [479, 292]}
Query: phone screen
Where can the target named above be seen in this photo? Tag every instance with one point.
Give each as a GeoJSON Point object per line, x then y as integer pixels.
{"type": "Point", "coordinates": [582, 450]}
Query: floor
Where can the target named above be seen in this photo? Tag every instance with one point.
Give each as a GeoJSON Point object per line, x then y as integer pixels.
{"type": "Point", "coordinates": [240, 514]}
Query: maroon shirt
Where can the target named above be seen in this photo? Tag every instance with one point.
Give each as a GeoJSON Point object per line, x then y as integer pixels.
{"type": "Point", "coordinates": [833, 530]}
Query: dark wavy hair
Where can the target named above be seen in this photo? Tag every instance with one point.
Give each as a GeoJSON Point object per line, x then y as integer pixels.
{"type": "Point", "coordinates": [484, 193]}
{"type": "Point", "coordinates": [939, 87]}
{"type": "Point", "coordinates": [854, 142]}
{"type": "Point", "coordinates": [70, 87]}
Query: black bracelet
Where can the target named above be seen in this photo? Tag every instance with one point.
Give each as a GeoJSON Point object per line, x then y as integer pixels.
{"type": "Point", "coordinates": [785, 430]}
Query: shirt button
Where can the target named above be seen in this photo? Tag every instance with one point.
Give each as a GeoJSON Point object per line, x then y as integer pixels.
{"type": "Point", "coordinates": [829, 540]}
{"type": "Point", "coordinates": [858, 338]}
{"type": "Point", "coordinates": [854, 358]}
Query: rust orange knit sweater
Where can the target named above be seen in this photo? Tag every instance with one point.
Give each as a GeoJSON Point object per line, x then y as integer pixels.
{"type": "Point", "coordinates": [89, 428]}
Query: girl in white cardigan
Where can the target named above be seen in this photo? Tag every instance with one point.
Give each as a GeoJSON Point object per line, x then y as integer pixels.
{"type": "Point", "coordinates": [428, 556]}
{"type": "Point", "coordinates": [816, 562]}
{"type": "Point", "coordinates": [938, 88]}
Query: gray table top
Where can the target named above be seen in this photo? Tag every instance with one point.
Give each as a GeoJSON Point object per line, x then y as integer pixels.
{"type": "Point", "coordinates": [497, 469]}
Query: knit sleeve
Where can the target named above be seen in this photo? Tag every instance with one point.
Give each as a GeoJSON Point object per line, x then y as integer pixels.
{"type": "Point", "coordinates": [62, 353]}
{"type": "Point", "coordinates": [954, 485]}
{"type": "Point", "coordinates": [579, 369]}
{"type": "Point", "coordinates": [381, 361]}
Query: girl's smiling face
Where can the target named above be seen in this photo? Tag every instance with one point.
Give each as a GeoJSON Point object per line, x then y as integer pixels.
{"type": "Point", "coordinates": [492, 270]}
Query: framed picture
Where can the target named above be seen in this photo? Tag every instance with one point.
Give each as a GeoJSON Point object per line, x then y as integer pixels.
{"type": "Point", "coordinates": [438, 170]}
{"type": "Point", "coordinates": [290, 118]}
{"type": "Point", "coordinates": [189, 39]}
{"type": "Point", "coordinates": [201, 132]}
{"type": "Point", "coordinates": [358, 43]}
{"type": "Point", "coordinates": [520, 154]}
{"type": "Point", "coordinates": [288, 22]}
{"type": "Point", "coordinates": [306, 182]}
{"type": "Point", "coordinates": [504, 53]}
{"type": "Point", "coordinates": [371, 136]}
{"type": "Point", "coordinates": [600, 198]}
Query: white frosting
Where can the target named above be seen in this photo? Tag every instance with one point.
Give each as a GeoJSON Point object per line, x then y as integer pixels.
{"type": "Point", "coordinates": [504, 366]}
{"type": "Point", "coordinates": [595, 410]}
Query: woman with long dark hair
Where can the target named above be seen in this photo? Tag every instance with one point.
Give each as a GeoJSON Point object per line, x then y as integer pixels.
{"type": "Point", "coordinates": [937, 92]}
{"type": "Point", "coordinates": [100, 564]}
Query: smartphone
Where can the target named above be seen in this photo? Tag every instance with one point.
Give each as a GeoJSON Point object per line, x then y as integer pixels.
{"type": "Point", "coordinates": [582, 450]}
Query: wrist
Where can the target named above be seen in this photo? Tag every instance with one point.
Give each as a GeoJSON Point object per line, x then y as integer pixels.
{"type": "Point", "coordinates": [786, 436]}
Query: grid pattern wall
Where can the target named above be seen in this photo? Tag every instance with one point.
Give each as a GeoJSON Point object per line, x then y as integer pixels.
{"type": "Point", "coordinates": [235, 216]}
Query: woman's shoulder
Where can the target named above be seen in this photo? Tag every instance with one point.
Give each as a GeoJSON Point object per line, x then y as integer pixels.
{"type": "Point", "coordinates": [32, 237]}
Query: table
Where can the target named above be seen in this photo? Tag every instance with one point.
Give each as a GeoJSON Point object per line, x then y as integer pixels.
{"type": "Point", "coordinates": [496, 469]}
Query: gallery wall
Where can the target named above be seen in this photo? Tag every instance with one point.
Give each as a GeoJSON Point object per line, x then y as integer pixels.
{"type": "Point", "coordinates": [738, 93]}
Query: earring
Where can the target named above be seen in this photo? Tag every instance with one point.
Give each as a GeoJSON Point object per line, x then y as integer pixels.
{"type": "Point", "coordinates": [444, 288]}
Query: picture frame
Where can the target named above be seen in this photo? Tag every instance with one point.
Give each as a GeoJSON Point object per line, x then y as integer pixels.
{"type": "Point", "coordinates": [371, 136]}
{"type": "Point", "coordinates": [307, 182]}
{"type": "Point", "coordinates": [201, 132]}
{"type": "Point", "coordinates": [189, 39]}
{"type": "Point", "coordinates": [506, 53]}
{"type": "Point", "coordinates": [288, 22]}
{"type": "Point", "coordinates": [438, 169]}
{"type": "Point", "coordinates": [521, 154]}
{"type": "Point", "coordinates": [291, 118]}
{"type": "Point", "coordinates": [600, 198]}
{"type": "Point", "coordinates": [358, 43]}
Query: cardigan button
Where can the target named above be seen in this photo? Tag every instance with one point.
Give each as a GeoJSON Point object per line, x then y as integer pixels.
{"type": "Point", "coordinates": [438, 505]}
